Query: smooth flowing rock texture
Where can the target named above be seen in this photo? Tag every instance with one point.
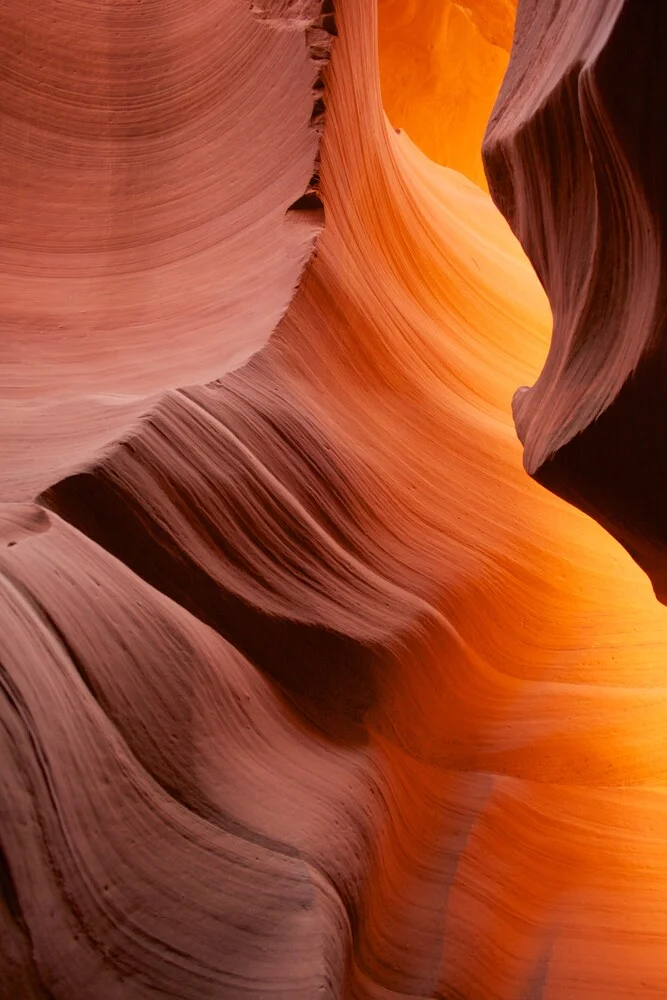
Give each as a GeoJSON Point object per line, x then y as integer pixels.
{"type": "Point", "coordinates": [147, 148]}
{"type": "Point", "coordinates": [576, 155]}
{"type": "Point", "coordinates": [308, 690]}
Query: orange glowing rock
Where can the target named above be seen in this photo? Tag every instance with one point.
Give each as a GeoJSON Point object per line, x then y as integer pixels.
{"type": "Point", "coordinates": [310, 691]}
{"type": "Point", "coordinates": [576, 151]}
{"type": "Point", "coordinates": [441, 64]}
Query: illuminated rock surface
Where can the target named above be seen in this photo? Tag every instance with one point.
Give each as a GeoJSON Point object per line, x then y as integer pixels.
{"type": "Point", "coordinates": [576, 151]}
{"type": "Point", "coordinates": [441, 64]}
{"type": "Point", "coordinates": [309, 690]}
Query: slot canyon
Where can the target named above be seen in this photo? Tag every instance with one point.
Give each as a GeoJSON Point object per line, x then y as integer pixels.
{"type": "Point", "coordinates": [333, 511]}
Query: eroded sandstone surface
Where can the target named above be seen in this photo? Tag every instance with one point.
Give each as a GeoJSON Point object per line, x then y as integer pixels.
{"type": "Point", "coordinates": [308, 690]}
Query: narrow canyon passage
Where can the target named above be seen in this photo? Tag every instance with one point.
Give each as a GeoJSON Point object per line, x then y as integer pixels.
{"type": "Point", "coordinates": [309, 690]}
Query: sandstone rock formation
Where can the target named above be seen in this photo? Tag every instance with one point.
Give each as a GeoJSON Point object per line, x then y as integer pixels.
{"type": "Point", "coordinates": [441, 64]}
{"type": "Point", "coordinates": [146, 150]}
{"type": "Point", "coordinates": [576, 154]}
{"type": "Point", "coordinates": [308, 689]}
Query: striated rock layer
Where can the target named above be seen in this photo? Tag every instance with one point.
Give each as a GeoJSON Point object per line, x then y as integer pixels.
{"type": "Point", "coordinates": [308, 690]}
{"type": "Point", "coordinates": [576, 154]}
{"type": "Point", "coordinates": [149, 160]}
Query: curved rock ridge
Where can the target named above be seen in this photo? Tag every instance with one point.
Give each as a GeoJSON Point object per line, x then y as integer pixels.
{"type": "Point", "coordinates": [308, 690]}
{"type": "Point", "coordinates": [152, 173]}
{"type": "Point", "coordinates": [575, 153]}
{"type": "Point", "coordinates": [126, 874]}
{"type": "Point", "coordinates": [492, 819]}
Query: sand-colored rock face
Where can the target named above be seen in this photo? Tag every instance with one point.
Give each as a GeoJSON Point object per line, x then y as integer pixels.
{"type": "Point", "coordinates": [308, 689]}
{"type": "Point", "coordinates": [576, 155]}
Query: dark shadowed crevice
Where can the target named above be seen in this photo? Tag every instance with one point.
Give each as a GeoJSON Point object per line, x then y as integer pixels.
{"type": "Point", "coordinates": [328, 677]}
{"type": "Point", "coordinates": [20, 978]}
{"type": "Point", "coordinates": [8, 890]}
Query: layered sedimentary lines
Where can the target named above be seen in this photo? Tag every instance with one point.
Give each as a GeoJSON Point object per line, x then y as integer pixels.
{"type": "Point", "coordinates": [150, 154]}
{"type": "Point", "coordinates": [308, 690]}
{"type": "Point", "coordinates": [576, 152]}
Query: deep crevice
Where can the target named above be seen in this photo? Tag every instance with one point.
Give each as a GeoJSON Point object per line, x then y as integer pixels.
{"type": "Point", "coordinates": [8, 890]}
{"type": "Point", "coordinates": [310, 202]}
{"type": "Point", "coordinates": [329, 24]}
